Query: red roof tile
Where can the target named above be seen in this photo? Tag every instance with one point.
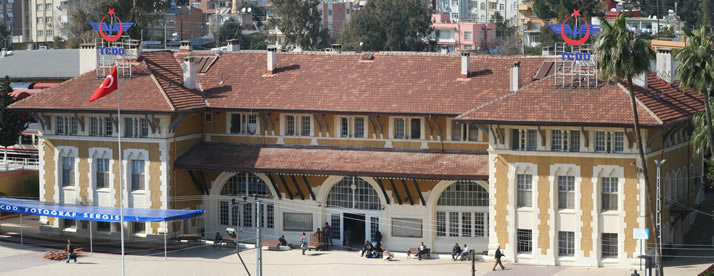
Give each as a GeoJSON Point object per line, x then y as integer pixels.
{"type": "Point", "coordinates": [391, 83]}
{"type": "Point", "coordinates": [237, 157]}
{"type": "Point", "coordinates": [156, 85]}
{"type": "Point", "coordinates": [607, 105]}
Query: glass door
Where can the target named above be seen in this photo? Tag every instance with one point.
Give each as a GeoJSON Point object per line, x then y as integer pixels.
{"type": "Point", "coordinates": [335, 221]}
{"type": "Point", "coordinates": [372, 225]}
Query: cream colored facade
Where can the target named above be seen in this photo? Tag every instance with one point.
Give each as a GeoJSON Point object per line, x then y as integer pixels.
{"type": "Point", "coordinates": [47, 19]}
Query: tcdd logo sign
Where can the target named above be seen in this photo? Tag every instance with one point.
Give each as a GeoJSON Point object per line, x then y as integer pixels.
{"type": "Point", "coordinates": [118, 28]}
{"type": "Point", "coordinates": [564, 29]}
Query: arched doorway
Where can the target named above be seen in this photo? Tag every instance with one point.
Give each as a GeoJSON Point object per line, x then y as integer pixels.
{"type": "Point", "coordinates": [353, 209]}
{"type": "Point", "coordinates": [236, 208]}
{"type": "Point", "coordinates": [462, 216]}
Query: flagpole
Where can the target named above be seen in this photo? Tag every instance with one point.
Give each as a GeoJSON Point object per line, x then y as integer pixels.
{"type": "Point", "coordinates": [121, 176]}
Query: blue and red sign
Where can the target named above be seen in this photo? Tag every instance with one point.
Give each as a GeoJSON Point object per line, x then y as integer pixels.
{"type": "Point", "coordinates": [565, 29]}
{"type": "Point", "coordinates": [115, 31]}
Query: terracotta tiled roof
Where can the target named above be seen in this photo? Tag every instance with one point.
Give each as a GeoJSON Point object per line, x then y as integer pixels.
{"type": "Point", "coordinates": [391, 83]}
{"type": "Point", "coordinates": [140, 93]}
{"type": "Point", "coordinates": [156, 85]}
{"type": "Point", "coordinates": [237, 157]}
{"type": "Point", "coordinates": [607, 105]}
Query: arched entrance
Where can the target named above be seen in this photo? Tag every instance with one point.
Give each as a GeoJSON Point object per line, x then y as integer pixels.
{"type": "Point", "coordinates": [462, 216]}
{"type": "Point", "coordinates": [235, 207]}
{"type": "Point", "coordinates": [353, 209]}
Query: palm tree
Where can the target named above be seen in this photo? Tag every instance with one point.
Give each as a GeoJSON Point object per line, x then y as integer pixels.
{"type": "Point", "coordinates": [700, 136]}
{"type": "Point", "coordinates": [623, 56]}
{"type": "Point", "coordinates": [696, 72]}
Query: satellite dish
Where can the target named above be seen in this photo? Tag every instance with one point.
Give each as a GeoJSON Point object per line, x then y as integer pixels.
{"type": "Point", "coordinates": [249, 9]}
{"type": "Point", "coordinates": [243, 10]}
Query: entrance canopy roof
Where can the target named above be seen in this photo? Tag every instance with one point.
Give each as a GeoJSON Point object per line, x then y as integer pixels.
{"type": "Point", "coordinates": [210, 156]}
{"type": "Point", "coordinates": [91, 212]}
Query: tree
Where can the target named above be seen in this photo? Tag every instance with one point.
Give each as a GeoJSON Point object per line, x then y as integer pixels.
{"type": "Point", "coordinates": [623, 56]}
{"type": "Point", "coordinates": [700, 136]}
{"type": "Point", "coordinates": [57, 42]}
{"type": "Point", "coordinates": [301, 23]}
{"type": "Point", "coordinates": [561, 9]}
{"type": "Point", "coordinates": [12, 123]}
{"type": "Point", "coordinates": [696, 71]}
{"type": "Point", "coordinates": [389, 25]}
{"type": "Point", "coordinates": [230, 29]}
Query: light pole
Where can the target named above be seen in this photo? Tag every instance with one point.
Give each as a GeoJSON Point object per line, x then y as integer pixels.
{"type": "Point", "coordinates": [658, 225]}
{"type": "Point", "coordinates": [523, 34]}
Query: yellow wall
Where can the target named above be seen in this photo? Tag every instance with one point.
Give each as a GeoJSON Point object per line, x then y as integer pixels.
{"type": "Point", "coordinates": [11, 183]}
{"type": "Point", "coordinates": [586, 190]}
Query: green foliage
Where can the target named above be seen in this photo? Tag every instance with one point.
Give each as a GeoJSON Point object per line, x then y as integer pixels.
{"type": "Point", "coordinates": [141, 12]}
{"type": "Point", "coordinates": [12, 123]}
{"type": "Point", "coordinates": [57, 42]}
{"type": "Point", "coordinates": [534, 51]}
{"type": "Point", "coordinates": [623, 55]}
{"type": "Point", "coordinates": [301, 23]}
{"type": "Point", "coordinates": [503, 28]}
{"type": "Point", "coordinates": [699, 141]}
{"type": "Point", "coordinates": [230, 29]}
{"type": "Point", "coordinates": [389, 25]}
{"type": "Point", "coordinates": [561, 9]}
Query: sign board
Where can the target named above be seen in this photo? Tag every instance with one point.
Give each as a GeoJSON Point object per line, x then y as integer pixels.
{"type": "Point", "coordinates": [641, 233]}
{"type": "Point", "coordinates": [117, 28]}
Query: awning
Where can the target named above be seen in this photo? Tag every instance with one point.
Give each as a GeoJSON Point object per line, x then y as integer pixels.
{"type": "Point", "coordinates": [211, 156]}
{"type": "Point", "coordinates": [91, 212]}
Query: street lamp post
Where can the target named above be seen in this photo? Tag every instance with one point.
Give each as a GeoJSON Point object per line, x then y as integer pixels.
{"type": "Point", "coordinates": [523, 34]}
{"type": "Point", "coordinates": [658, 219]}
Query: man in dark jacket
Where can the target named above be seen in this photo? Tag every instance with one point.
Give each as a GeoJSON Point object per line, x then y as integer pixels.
{"type": "Point", "coordinates": [366, 248]}
{"type": "Point", "coordinates": [378, 239]}
{"type": "Point", "coordinates": [456, 251]}
{"type": "Point", "coordinates": [70, 252]}
{"type": "Point", "coordinates": [498, 256]}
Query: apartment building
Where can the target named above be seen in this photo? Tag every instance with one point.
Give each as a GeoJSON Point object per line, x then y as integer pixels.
{"type": "Point", "coordinates": [335, 15]}
{"type": "Point", "coordinates": [478, 11]}
{"type": "Point", "coordinates": [456, 35]}
{"type": "Point", "coordinates": [483, 150]}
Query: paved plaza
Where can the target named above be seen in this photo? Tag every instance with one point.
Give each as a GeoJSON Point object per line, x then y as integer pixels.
{"type": "Point", "coordinates": [16, 259]}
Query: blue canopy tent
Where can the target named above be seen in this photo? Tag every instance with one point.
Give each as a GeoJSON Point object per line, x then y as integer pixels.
{"type": "Point", "coordinates": [93, 213]}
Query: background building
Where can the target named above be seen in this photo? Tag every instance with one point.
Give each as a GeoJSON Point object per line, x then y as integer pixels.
{"type": "Point", "coordinates": [456, 35]}
{"type": "Point", "coordinates": [479, 11]}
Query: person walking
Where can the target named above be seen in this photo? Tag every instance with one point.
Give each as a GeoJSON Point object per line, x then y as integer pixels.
{"type": "Point", "coordinates": [456, 251]}
{"type": "Point", "coordinates": [303, 243]}
{"type": "Point", "coordinates": [328, 233]}
{"type": "Point", "coordinates": [70, 252]}
{"type": "Point", "coordinates": [378, 238]}
{"type": "Point", "coordinates": [498, 256]}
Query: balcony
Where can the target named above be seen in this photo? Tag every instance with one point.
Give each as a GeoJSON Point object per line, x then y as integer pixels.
{"type": "Point", "coordinates": [14, 164]}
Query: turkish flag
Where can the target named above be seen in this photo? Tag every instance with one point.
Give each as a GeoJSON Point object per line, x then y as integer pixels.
{"type": "Point", "coordinates": [108, 86]}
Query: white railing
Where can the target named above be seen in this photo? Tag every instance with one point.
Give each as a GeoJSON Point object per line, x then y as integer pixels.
{"type": "Point", "coordinates": [14, 163]}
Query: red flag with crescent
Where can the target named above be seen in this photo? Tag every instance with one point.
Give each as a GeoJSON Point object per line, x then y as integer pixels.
{"type": "Point", "coordinates": [108, 86]}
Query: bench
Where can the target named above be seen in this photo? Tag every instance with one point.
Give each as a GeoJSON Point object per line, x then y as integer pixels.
{"type": "Point", "coordinates": [189, 237]}
{"type": "Point", "coordinates": [271, 244]}
{"type": "Point", "coordinates": [414, 251]}
{"type": "Point", "coordinates": [230, 240]}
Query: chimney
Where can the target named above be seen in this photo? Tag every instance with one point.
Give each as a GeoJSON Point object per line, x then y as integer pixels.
{"type": "Point", "coordinates": [465, 64]}
{"type": "Point", "coordinates": [272, 60]}
{"type": "Point", "coordinates": [185, 46]}
{"type": "Point", "coordinates": [337, 48]}
{"type": "Point", "coordinates": [3, 53]}
{"type": "Point", "coordinates": [87, 57]}
{"type": "Point", "coordinates": [640, 80]}
{"type": "Point", "coordinates": [233, 45]}
{"type": "Point", "coordinates": [189, 72]}
{"type": "Point", "coordinates": [516, 76]}
{"type": "Point", "coordinates": [665, 65]}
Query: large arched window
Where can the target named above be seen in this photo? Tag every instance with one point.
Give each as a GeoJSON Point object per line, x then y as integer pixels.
{"type": "Point", "coordinates": [242, 213]}
{"type": "Point", "coordinates": [245, 184]}
{"type": "Point", "coordinates": [462, 210]}
{"type": "Point", "coordinates": [464, 193]}
{"type": "Point", "coordinates": [354, 193]}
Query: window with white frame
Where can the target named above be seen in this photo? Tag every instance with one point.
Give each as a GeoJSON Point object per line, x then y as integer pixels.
{"type": "Point", "coordinates": [566, 244]}
{"type": "Point", "coordinates": [67, 171]}
{"type": "Point", "coordinates": [524, 241]}
{"type": "Point", "coordinates": [352, 126]}
{"type": "Point", "coordinates": [241, 213]}
{"type": "Point", "coordinates": [556, 140]}
{"type": "Point", "coordinates": [298, 125]}
{"type": "Point", "coordinates": [464, 193]}
{"type": "Point", "coordinates": [289, 125]}
{"type": "Point", "coordinates": [619, 141]}
{"type": "Point", "coordinates": [466, 224]}
{"type": "Point", "coordinates": [102, 172]}
{"type": "Point", "coordinates": [101, 126]}
{"type": "Point", "coordinates": [478, 221]}
{"type": "Point", "coordinates": [566, 192]}
{"type": "Point", "coordinates": [464, 131]}
{"type": "Point", "coordinates": [600, 141]}
{"type": "Point", "coordinates": [532, 139]}
{"type": "Point", "coordinates": [223, 212]}
{"type": "Point", "coordinates": [609, 245]}
{"type": "Point", "coordinates": [244, 123]}
{"type": "Point", "coordinates": [354, 193]}
{"type": "Point", "coordinates": [137, 175]}
{"type": "Point", "coordinates": [67, 125]}
{"type": "Point", "coordinates": [574, 140]}
{"type": "Point", "coordinates": [136, 127]}
{"type": "Point", "coordinates": [440, 224]}
{"type": "Point", "coordinates": [305, 126]}
{"type": "Point", "coordinates": [609, 193]}
{"type": "Point", "coordinates": [407, 128]}
{"type": "Point", "coordinates": [524, 139]}
{"type": "Point", "coordinates": [468, 36]}
{"type": "Point", "coordinates": [525, 186]}
{"type": "Point", "coordinates": [453, 224]}
{"type": "Point", "coordinates": [454, 209]}
{"type": "Point", "coordinates": [60, 125]}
